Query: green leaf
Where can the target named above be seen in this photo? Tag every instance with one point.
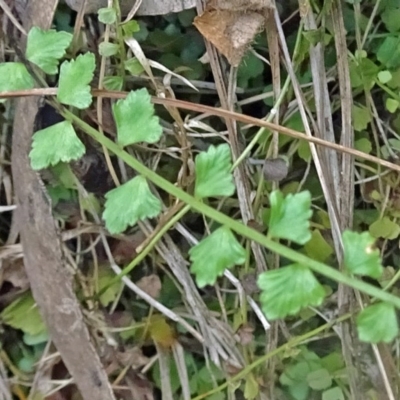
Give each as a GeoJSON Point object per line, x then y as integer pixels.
{"type": "Point", "coordinates": [363, 145]}
{"type": "Point", "coordinates": [129, 28]}
{"type": "Point", "coordinates": [129, 203]}
{"type": "Point", "coordinates": [56, 143]}
{"type": "Point", "coordinates": [333, 362]}
{"type": "Point", "coordinates": [294, 377]}
{"type": "Point", "coordinates": [377, 323]}
{"type": "Point", "coordinates": [46, 47]}
{"type": "Point", "coordinates": [285, 291]}
{"type": "Point", "coordinates": [23, 314]}
{"type": "Point", "coordinates": [359, 256]}
{"type": "Point", "coordinates": [391, 19]}
{"type": "Point", "coordinates": [113, 82]}
{"type": "Point", "coordinates": [290, 216]}
{"type": "Point", "coordinates": [214, 254]}
{"type": "Point", "coordinates": [14, 76]}
{"type": "Point", "coordinates": [384, 228]}
{"type": "Point", "coordinates": [251, 387]}
{"type": "Point", "coordinates": [299, 391]}
{"type": "Point", "coordinates": [361, 118]}
{"type": "Point", "coordinates": [319, 379]}
{"type": "Point", "coordinates": [33, 340]}
{"type": "Point", "coordinates": [213, 172]}
{"type": "Point", "coordinates": [392, 105]}
{"type": "Point", "coordinates": [389, 52]}
{"type": "Point", "coordinates": [363, 72]}
{"type": "Point", "coordinates": [334, 393]}
{"type": "Point", "coordinates": [105, 276]}
{"type": "Point", "coordinates": [318, 248]}
{"type": "Point", "coordinates": [107, 15]}
{"type": "Point", "coordinates": [384, 76]}
{"type": "Point", "coordinates": [135, 119]}
{"type": "Point", "coordinates": [133, 66]}
{"type": "Point", "coordinates": [75, 76]}
{"type": "Point", "coordinates": [107, 49]}
{"type": "Point", "coordinates": [250, 67]}
{"type": "Point", "coordinates": [304, 151]}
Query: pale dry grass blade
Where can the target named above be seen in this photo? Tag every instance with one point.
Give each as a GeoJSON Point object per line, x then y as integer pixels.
{"type": "Point", "coordinates": [165, 373]}
{"type": "Point", "coordinates": [161, 67]}
{"type": "Point", "coordinates": [346, 296]}
{"type": "Point", "coordinates": [141, 293]}
{"type": "Point", "coordinates": [4, 6]}
{"type": "Point", "coordinates": [5, 390]}
{"type": "Point", "coordinates": [301, 104]}
{"type": "Point", "coordinates": [134, 45]}
{"type": "Point", "coordinates": [240, 175]}
{"type": "Point", "coordinates": [133, 11]}
{"type": "Point", "coordinates": [275, 62]}
{"type": "Point", "coordinates": [179, 357]}
{"type": "Point", "coordinates": [217, 338]}
{"type": "Point", "coordinates": [242, 297]}
{"type": "Point", "coordinates": [323, 111]}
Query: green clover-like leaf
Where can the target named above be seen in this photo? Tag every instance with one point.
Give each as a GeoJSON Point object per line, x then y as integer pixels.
{"type": "Point", "coordinates": [334, 393]}
{"type": "Point", "coordinates": [56, 143]}
{"type": "Point", "coordinates": [285, 291]}
{"type": "Point", "coordinates": [46, 47]}
{"type": "Point", "coordinates": [129, 203]}
{"type": "Point", "coordinates": [135, 119]}
{"type": "Point", "coordinates": [384, 228]}
{"type": "Point", "coordinates": [214, 254]}
{"type": "Point", "coordinates": [377, 323]}
{"type": "Point", "coordinates": [24, 314]}
{"type": "Point", "coordinates": [75, 76]}
{"type": "Point", "coordinates": [389, 52]}
{"type": "Point", "coordinates": [106, 278]}
{"type": "Point", "coordinates": [290, 216]}
{"type": "Point", "coordinates": [14, 76]}
{"type": "Point", "coordinates": [107, 49]}
{"type": "Point", "coordinates": [113, 83]}
{"type": "Point", "coordinates": [107, 15]}
{"type": "Point", "coordinates": [319, 379]}
{"type": "Point", "coordinates": [213, 172]}
{"type": "Point", "coordinates": [359, 255]}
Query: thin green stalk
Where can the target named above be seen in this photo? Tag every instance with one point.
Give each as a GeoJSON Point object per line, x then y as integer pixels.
{"type": "Point", "coordinates": [236, 226]}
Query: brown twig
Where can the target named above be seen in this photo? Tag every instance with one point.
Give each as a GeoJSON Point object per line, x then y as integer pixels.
{"type": "Point", "coordinates": [50, 280]}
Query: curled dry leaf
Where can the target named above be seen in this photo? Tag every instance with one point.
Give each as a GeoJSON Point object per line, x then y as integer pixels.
{"type": "Point", "coordinates": [245, 334]}
{"type": "Point", "coordinates": [13, 271]}
{"type": "Point", "coordinates": [275, 169]}
{"type": "Point", "coordinates": [249, 283]}
{"type": "Point", "coordinates": [132, 357]}
{"type": "Point", "coordinates": [150, 284]}
{"type": "Point", "coordinates": [231, 25]}
{"type": "Point", "coordinates": [124, 250]}
{"type": "Point", "coordinates": [252, 223]}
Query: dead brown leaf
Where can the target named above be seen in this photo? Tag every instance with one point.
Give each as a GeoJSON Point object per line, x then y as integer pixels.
{"type": "Point", "coordinates": [150, 284]}
{"type": "Point", "coordinates": [124, 251]}
{"type": "Point", "coordinates": [13, 271]}
{"type": "Point", "coordinates": [230, 32]}
{"type": "Point", "coordinates": [231, 25]}
{"type": "Point", "coordinates": [245, 334]}
{"type": "Point", "coordinates": [132, 357]}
